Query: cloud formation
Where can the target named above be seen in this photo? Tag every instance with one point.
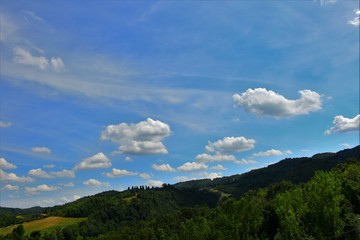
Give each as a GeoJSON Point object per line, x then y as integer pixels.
{"type": "Point", "coordinates": [39, 173]}
{"type": "Point", "coordinates": [192, 166]}
{"type": "Point", "coordinates": [155, 183]}
{"type": "Point", "coordinates": [6, 165]}
{"type": "Point", "coordinates": [40, 188]}
{"type": "Point", "coordinates": [41, 150]}
{"type": "Point", "coordinates": [142, 138]}
{"type": "Point", "coordinates": [12, 177]}
{"type": "Point", "coordinates": [204, 158]}
{"type": "Point", "coordinates": [163, 168]}
{"type": "Point", "coordinates": [268, 103]}
{"type": "Point", "coordinates": [99, 160]}
{"type": "Point", "coordinates": [95, 183]}
{"type": "Point", "coordinates": [24, 57]}
{"type": "Point", "coordinates": [342, 124]}
{"type": "Point", "coordinates": [356, 21]}
{"type": "Point", "coordinates": [10, 187]}
{"type": "Point", "coordinates": [5, 124]}
{"type": "Point", "coordinates": [120, 173]}
{"type": "Point", "coordinates": [272, 152]}
{"type": "Point", "coordinates": [231, 145]}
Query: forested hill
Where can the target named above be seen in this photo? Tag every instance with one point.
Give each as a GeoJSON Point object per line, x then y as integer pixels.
{"type": "Point", "coordinates": [296, 170]}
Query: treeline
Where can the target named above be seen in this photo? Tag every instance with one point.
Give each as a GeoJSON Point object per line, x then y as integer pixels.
{"type": "Point", "coordinates": [326, 207]}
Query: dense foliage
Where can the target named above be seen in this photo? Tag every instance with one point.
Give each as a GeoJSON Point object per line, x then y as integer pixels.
{"type": "Point", "coordinates": [325, 207]}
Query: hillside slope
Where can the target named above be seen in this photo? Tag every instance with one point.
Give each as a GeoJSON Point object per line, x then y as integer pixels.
{"type": "Point", "coordinates": [296, 170]}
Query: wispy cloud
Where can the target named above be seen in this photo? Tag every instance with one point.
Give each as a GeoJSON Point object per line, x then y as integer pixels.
{"type": "Point", "coordinates": [163, 168]}
{"type": "Point", "coordinates": [272, 152]}
{"type": "Point", "coordinates": [5, 124]}
{"type": "Point", "coordinates": [120, 173]}
{"type": "Point", "coordinates": [95, 183]}
{"type": "Point", "coordinates": [356, 21]}
{"type": "Point", "coordinates": [41, 150]}
{"type": "Point", "coordinates": [40, 188]}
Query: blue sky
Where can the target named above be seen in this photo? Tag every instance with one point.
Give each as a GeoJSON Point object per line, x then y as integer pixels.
{"type": "Point", "coordinates": [106, 95]}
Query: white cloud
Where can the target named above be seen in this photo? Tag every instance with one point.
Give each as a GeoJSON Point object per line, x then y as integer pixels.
{"type": "Point", "coordinates": [120, 173]}
{"type": "Point", "coordinates": [207, 175]}
{"type": "Point", "coordinates": [155, 183]}
{"type": "Point", "coordinates": [40, 188]}
{"type": "Point", "coordinates": [345, 145]}
{"type": "Point", "coordinates": [5, 124]}
{"type": "Point", "coordinates": [41, 150]}
{"type": "Point", "coordinates": [99, 160]}
{"type": "Point", "coordinates": [231, 144]}
{"type": "Point", "coordinates": [39, 173]}
{"type": "Point", "coordinates": [63, 174]}
{"type": "Point", "coordinates": [204, 157]}
{"type": "Point", "coordinates": [95, 183]}
{"type": "Point", "coordinates": [356, 21]}
{"type": "Point", "coordinates": [181, 179]}
{"type": "Point", "coordinates": [272, 152]}
{"type": "Point", "coordinates": [128, 159]}
{"type": "Point", "coordinates": [57, 64]}
{"type": "Point", "coordinates": [145, 176]}
{"type": "Point", "coordinates": [142, 138]}
{"type": "Point", "coordinates": [343, 124]}
{"type": "Point", "coordinates": [12, 177]}
{"type": "Point", "coordinates": [245, 161]}
{"type": "Point", "coordinates": [218, 167]}
{"type": "Point", "coordinates": [70, 199]}
{"type": "Point", "coordinates": [192, 166]}
{"type": "Point", "coordinates": [10, 187]}
{"type": "Point", "coordinates": [264, 102]}
{"type": "Point", "coordinates": [33, 15]}
{"type": "Point", "coordinates": [6, 165]}
{"type": "Point", "coordinates": [24, 57]}
{"type": "Point", "coordinates": [163, 168]}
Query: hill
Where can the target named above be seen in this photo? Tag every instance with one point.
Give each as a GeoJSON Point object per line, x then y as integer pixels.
{"type": "Point", "coordinates": [296, 170]}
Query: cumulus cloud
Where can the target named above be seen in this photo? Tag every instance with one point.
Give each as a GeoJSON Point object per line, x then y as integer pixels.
{"type": "Point", "coordinates": [356, 21]}
{"type": "Point", "coordinates": [41, 150]}
{"type": "Point", "coordinates": [39, 173]}
{"type": "Point", "coordinates": [99, 160]}
{"type": "Point", "coordinates": [155, 183]}
{"type": "Point", "coordinates": [63, 174]}
{"type": "Point", "coordinates": [192, 166]}
{"type": "Point", "coordinates": [24, 57]}
{"type": "Point", "coordinates": [95, 183]}
{"type": "Point", "coordinates": [264, 102]}
{"type": "Point", "coordinates": [181, 179]}
{"type": "Point", "coordinates": [6, 165]}
{"type": "Point", "coordinates": [163, 168]}
{"type": "Point", "coordinates": [5, 124]}
{"type": "Point", "coordinates": [12, 177]}
{"type": "Point", "coordinates": [272, 152]}
{"type": "Point", "coordinates": [231, 144]}
{"type": "Point", "coordinates": [208, 175]}
{"type": "Point", "coordinates": [142, 138]}
{"type": "Point", "coordinates": [40, 188]}
{"type": "Point", "coordinates": [10, 187]}
{"type": "Point", "coordinates": [120, 173]}
{"type": "Point", "coordinates": [343, 124]}
{"type": "Point", "coordinates": [245, 161]}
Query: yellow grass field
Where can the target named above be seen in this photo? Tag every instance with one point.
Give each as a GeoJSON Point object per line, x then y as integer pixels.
{"type": "Point", "coordinates": [48, 223]}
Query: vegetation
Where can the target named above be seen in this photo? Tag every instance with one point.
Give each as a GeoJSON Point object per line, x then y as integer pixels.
{"type": "Point", "coordinates": [326, 206]}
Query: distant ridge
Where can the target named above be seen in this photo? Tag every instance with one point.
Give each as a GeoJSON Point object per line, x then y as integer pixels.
{"type": "Point", "coordinates": [296, 170]}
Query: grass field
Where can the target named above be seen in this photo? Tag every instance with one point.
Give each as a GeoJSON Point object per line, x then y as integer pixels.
{"type": "Point", "coordinates": [48, 224]}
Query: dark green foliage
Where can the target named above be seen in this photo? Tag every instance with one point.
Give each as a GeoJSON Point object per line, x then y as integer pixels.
{"type": "Point", "coordinates": [327, 206]}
